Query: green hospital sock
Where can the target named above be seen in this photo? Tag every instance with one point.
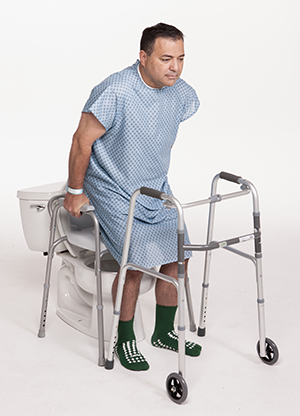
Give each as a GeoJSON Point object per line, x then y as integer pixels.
{"type": "Point", "coordinates": [126, 349]}
{"type": "Point", "coordinates": [164, 335]}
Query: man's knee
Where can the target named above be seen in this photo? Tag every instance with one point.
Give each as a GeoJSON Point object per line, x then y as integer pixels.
{"type": "Point", "coordinates": [133, 279]}
{"type": "Point", "coordinates": [134, 276]}
{"type": "Point", "coordinates": [134, 273]}
{"type": "Point", "coordinates": [171, 268]}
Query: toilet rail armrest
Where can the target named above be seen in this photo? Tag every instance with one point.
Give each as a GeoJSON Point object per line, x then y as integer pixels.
{"type": "Point", "coordinates": [59, 198]}
{"type": "Point", "coordinates": [87, 208]}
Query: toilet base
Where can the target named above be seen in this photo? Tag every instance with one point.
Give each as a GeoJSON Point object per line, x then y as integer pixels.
{"type": "Point", "coordinates": [78, 307]}
{"type": "Point", "coordinates": [88, 325]}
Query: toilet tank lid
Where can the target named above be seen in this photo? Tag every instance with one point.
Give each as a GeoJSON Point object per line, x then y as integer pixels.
{"type": "Point", "coordinates": [41, 192]}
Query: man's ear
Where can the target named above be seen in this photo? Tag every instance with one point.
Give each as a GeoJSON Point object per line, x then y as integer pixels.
{"type": "Point", "coordinates": [143, 58]}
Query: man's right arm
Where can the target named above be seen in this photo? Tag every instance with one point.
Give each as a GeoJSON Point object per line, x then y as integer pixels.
{"type": "Point", "coordinates": [89, 130]}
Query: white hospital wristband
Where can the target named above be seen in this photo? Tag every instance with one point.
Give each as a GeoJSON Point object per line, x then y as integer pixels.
{"type": "Point", "coordinates": [74, 191]}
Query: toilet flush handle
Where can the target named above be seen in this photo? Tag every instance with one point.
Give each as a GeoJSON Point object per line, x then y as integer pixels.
{"type": "Point", "coordinates": [39, 207]}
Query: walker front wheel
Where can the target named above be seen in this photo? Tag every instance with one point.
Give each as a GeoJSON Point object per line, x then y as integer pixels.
{"type": "Point", "coordinates": [177, 388]}
{"type": "Point", "coordinates": [272, 353]}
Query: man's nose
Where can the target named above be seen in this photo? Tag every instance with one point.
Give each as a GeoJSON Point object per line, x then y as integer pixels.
{"type": "Point", "coordinates": [174, 65]}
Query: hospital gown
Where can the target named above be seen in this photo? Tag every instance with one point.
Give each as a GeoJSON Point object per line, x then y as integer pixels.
{"type": "Point", "coordinates": [141, 126]}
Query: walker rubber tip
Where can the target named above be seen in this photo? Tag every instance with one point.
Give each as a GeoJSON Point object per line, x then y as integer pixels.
{"type": "Point", "coordinates": [41, 333]}
{"type": "Point", "coordinates": [201, 332]}
{"type": "Point", "coordinates": [193, 328]}
{"type": "Point", "coordinates": [101, 362]}
{"type": "Point", "coordinates": [109, 365]}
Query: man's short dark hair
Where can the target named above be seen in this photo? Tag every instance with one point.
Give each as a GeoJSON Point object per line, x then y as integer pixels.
{"type": "Point", "coordinates": [161, 30]}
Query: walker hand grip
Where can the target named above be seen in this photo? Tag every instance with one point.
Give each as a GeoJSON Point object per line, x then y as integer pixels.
{"type": "Point", "coordinates": [151, 192]}
{"type": "Point", "coordinates": [229, 177]}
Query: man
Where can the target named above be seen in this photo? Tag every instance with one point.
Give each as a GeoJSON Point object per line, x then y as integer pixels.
{"type": "Point", "coordinates": [123, 142]}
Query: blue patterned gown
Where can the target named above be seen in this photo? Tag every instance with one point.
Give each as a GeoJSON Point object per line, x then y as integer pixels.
{"type": "Point", "coordinates": [141, 126]}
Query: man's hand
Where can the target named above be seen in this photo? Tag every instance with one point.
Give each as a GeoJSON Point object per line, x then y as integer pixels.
{"type": "Point", "coordinates": [73, 203]}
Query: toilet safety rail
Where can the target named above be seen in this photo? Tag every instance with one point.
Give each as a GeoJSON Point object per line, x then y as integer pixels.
{"type": "Point", "coordinates": [54, 205]}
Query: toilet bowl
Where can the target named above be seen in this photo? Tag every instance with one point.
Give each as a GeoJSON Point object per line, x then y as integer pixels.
{"type": "Point", "coordinates": [76, 294]}
{"type": "Point", "coordinates": [76, 281]}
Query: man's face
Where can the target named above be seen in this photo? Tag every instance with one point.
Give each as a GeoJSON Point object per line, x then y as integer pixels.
{"type": "Point", "coordinates": [164, 66]}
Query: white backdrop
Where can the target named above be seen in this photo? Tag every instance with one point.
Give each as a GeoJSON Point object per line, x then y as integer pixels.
{"type": "Point", "coordinates": [242, 57]}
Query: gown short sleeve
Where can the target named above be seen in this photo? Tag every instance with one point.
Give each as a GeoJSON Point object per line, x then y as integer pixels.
{"type": "Point", "coordinates": [102, 103]}
{"type": "Point", "coordinates": [190, 104]}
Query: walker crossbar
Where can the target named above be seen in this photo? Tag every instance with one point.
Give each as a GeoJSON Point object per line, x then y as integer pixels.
{"type": "Point", "coordinates": [241, 253]}
{"type": "Point", "coordinates": [85, 210]}
{"type": "Point", "coordinates": [215, 198]}
{"type": "Point", "coordinates": [222, 244]}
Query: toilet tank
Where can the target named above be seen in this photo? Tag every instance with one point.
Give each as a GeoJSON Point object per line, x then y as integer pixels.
{"type": "Point", "coordinates": [34, 214]}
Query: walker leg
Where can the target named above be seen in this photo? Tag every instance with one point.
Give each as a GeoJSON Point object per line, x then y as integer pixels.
{"type": "Point", "coordinates": [261, 310]}
{"type": "Point", "coordinates": [190, 305]}
{"type": "Point", "coordinates": [205, 285]}
{"type": "Point", "coordinates": [181, 304]}
{"type": "Point", "coordinates": [175, 384]}
{"type": "Point", "coordinates": [109, 363]}
{"type": "Point", "coordinates": [259, 283]}
{"type": "Point", "coordinates": [266, 348]}
{"type": "Point", "coordinates": [208, 254]}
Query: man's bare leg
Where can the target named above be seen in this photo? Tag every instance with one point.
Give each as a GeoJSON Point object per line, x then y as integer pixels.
{"type": "Point", "coordinates": [166, 293]}
{"type": "Point", "coordinates": [130, 293]}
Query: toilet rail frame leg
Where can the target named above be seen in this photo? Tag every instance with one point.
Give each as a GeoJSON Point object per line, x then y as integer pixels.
{"type": "Point", "coordinates": [85, 210]}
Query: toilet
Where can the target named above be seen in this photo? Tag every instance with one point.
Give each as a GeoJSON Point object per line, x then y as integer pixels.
{"type": "Point", "coordinates": [76, 282]}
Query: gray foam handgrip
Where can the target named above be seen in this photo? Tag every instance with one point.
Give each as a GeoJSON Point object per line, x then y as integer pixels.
{"type": "Point", "coordinates": [230, 177]}
{"type": "Point", "coordinates": [151, 192]}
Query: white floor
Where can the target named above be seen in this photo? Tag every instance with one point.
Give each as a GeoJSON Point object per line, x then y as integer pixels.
{"type": "Point", "coordinates": [58, 375]}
